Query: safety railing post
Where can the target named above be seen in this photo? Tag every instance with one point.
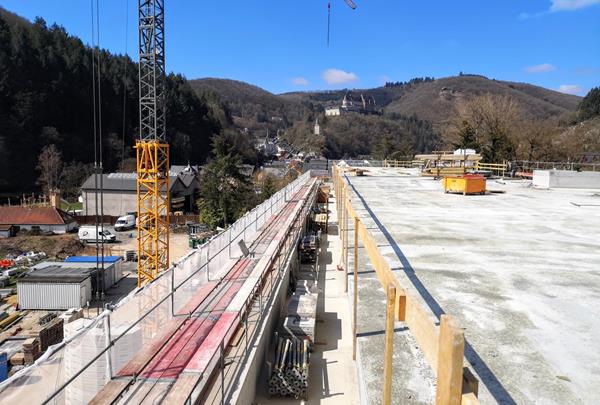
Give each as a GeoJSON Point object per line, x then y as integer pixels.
{"type": "Point", "coordinates": [108, 346]}
{"type": "Point", "coordinates": [173, 290]}
{"type": "Point", "coordinates": [389, 346]}
{"type": "Point", "coordinates": [246, 326]}
{"type": "Point", "coordinates": [208, 262]}
{"type": "Point", "coordinates": [229, 247]}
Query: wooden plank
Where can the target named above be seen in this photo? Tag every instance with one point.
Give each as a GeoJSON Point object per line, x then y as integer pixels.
{"type": "Point", "coordinates": [111, 392]}
{"type": "Point", "coordinates": [138, 392]}
{"type": "Point", "coordinates": [145, 355]}
{"type": "Point", "coordinates": [183, 387]}
{"type": "Point", "coordinates": [388, 359]}
{"type": "Point", "coordinates": [401, 305]}
{"type": "Point", "coordinates": [450, 363]}
{"type": "Point", "coordinates": [426, 333]}
{"type": "Point", "coordinates": [469, 399]}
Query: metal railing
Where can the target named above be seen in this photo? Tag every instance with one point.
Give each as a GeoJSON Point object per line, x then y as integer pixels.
{"type": "Point", "coordinates": [530, 166]}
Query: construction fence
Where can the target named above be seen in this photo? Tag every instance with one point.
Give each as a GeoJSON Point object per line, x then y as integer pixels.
{"type": "Point", "coordinates": [442, 345]}
{"type": "Point", "coordinates": [96, 350]}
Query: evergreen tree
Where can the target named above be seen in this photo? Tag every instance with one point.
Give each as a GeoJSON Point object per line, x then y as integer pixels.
{"type": "Point", "coordinates": [269, 187]}
{"type": "Point", "coordinates": [467, 136]}
{"type": "Point", "coordinates": [590, 105]}
{"type": "Point", "coordinates": [225, 191]}
{"type": "Point", "coordinates": [46, 98]}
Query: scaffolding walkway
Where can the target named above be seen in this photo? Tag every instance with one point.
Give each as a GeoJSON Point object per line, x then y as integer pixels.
{"type": "Point", "coordinates": [166, 341]}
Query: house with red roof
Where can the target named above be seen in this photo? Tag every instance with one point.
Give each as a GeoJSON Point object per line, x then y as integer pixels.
{"type": "Point", "coordinates": [45, 219]}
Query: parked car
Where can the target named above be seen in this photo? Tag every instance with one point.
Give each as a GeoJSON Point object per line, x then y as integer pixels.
{"type": "Point", "coordinates": [88, 234]}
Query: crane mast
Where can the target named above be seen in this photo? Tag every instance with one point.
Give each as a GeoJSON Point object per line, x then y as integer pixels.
{"type": "Point", "coordinates": [152, 149]}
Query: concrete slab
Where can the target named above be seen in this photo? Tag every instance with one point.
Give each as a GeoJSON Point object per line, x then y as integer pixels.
{"type": "Point", "coordinates": [518, 268]}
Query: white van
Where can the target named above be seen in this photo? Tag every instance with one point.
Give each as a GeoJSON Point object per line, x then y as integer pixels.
{"type": "Point", "coordinates": [87, 233]}
{"type": "Point", "coordinates": [125, 223]}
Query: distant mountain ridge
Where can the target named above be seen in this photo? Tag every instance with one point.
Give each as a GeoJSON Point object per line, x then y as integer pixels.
{"type": "Point", "coordinates": [434, 101]}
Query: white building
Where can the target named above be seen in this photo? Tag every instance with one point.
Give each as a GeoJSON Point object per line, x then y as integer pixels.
{"type": "Point", "coordinates": [332, 111]}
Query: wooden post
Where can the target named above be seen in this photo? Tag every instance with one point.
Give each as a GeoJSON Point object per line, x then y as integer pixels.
{"type": "Point", "coordinates": [450, 362]}
{"type": "Point", "coordinates": [355, 305]}
{"type": "Point", "coordinates": [389, 346]}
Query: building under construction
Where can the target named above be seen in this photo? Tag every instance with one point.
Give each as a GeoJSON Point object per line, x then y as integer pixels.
{"type": "Point", "coordinates": [412, 296]}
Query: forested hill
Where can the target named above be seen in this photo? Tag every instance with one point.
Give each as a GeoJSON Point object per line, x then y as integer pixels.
{"type": "Point", "coordinates": [439, 100]}
{"type": "Point", "coordinates": [46, 98]}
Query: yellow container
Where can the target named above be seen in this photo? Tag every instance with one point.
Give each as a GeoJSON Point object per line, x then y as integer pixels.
{"type": "Point", "coordinates": [467, 184]}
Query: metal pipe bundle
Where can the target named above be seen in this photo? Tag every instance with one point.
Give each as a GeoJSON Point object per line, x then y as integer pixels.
{"type": "Point", "coordinates": [289, 376]}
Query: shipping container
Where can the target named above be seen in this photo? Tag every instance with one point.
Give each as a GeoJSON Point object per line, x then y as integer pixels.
{"type": "Point", "coordinates": [53, 290]}
{"type": "Point", "coordinates": [112, 265]}
{"type": "Point", "coordinates": [113, 268]}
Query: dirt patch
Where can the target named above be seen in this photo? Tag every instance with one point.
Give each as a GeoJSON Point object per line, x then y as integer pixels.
{"type": "Point", "coordinates": [55, 246]}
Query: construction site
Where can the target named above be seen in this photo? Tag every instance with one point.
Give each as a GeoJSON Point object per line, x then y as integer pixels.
{"type": "Point", "coordinates": [334, 292]}
{"type": "Point", "coordinates": [440, 279]}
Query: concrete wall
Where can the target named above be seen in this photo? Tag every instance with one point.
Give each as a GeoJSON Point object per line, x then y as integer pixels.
{"type": "Point", "coordinates": [566, 179]}
{"type": "Point", "coordinates": [115, 203]}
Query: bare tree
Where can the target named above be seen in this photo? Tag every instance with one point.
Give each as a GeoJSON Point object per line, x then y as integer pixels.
{"type": "Point", "coordinates": [50, 168]}
{"type": "Point", "coordinates": [496, 122]}
{"type": "Point", "coordinates": [539, 141]}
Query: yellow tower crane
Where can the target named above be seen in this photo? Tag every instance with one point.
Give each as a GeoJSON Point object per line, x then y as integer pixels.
{"type": "Point", "coordinates": [152, 149]}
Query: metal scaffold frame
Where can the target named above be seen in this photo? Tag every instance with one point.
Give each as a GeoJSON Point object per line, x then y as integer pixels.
{"type": "Point", "coordinates": [153, 209]}
{"type": "Point", "coordinates": [152, 148]}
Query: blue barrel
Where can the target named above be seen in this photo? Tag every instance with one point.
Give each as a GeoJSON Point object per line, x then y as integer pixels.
{"type": "Point", "coordinates": [3, 367]}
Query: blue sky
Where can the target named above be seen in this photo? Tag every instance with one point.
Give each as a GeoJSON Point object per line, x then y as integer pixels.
{"type": "Point", "coordinates": [281, 45]}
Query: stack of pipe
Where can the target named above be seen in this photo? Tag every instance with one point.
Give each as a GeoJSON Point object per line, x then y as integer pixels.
{"type": "Point", "coordinates": [289, 376]}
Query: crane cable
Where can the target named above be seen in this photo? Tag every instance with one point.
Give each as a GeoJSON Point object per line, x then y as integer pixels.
{"type": "Point", "coordinates": [126, 63]}
{"type": "Point", "coordinates": [328, 20]}
{"type": "Point", "coordinates": [98, 155]}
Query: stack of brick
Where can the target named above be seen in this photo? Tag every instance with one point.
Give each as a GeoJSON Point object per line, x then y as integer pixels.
{"type": "Point", "coordinates": [17, 359]}
{"type": "Point", "coordinates": [31, 350]}
{"type": "Point", "coordinates": [51, 333]}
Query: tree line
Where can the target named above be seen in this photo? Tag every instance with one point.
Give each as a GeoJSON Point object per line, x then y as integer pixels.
{"type": "Point", "coordinates": [46, 99]}
{"type": "Point", "coordinates": [497, 127]}
{"type": "Point", "coordinates": [415, 80]}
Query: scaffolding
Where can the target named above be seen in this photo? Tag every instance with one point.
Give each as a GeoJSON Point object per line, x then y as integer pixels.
{"type": "Point", "coordinates": [138, 319]}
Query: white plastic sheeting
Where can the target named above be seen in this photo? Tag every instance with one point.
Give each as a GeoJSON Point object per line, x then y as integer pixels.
{"type": "Point", "coordinates": [128, 330]}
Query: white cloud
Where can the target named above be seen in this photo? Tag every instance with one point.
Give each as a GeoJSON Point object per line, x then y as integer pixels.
{"type": "Point", "coordinates": [300, 81]}
{"type": "Point", "coordinates": [337, 76]}
{"type": "Point", "coordinates": [560, 5]}
{"type": "Point", "coordinates": [543, 68]}
{"type": "Point", "coordinates": [570, 89]}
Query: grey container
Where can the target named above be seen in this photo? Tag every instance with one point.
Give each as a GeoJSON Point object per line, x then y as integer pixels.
{"type": "Point", "coordinates": [54, 292]}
